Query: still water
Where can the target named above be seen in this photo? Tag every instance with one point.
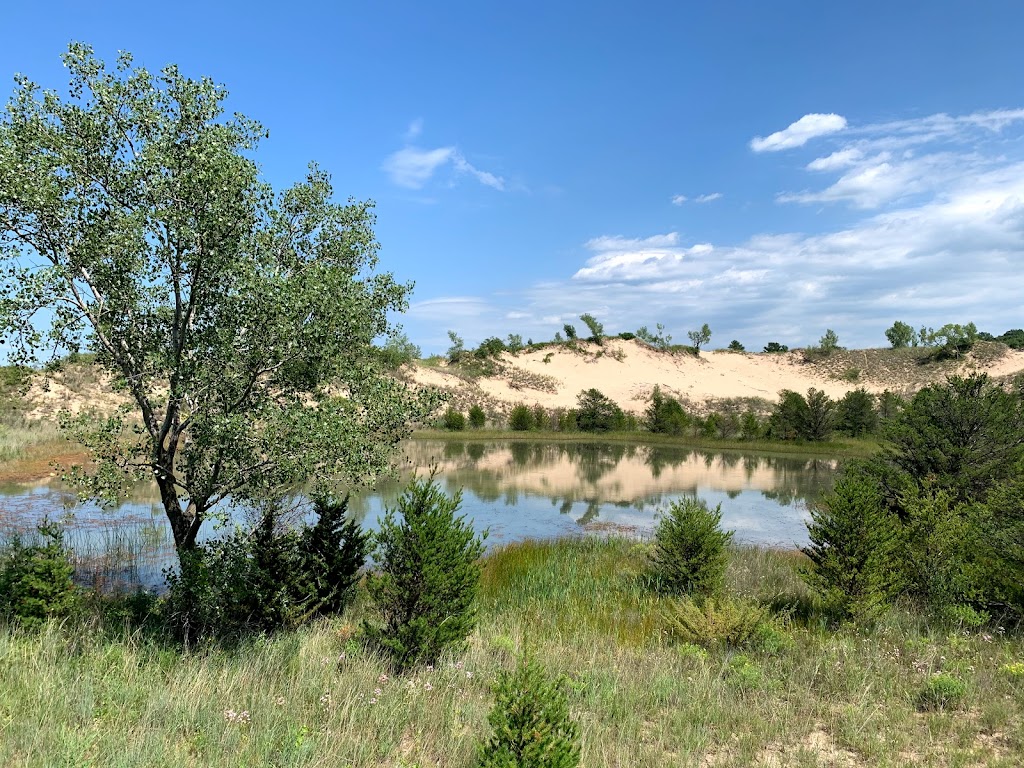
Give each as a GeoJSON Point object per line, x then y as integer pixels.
{"type": "Point", "coordinates": [514, 490]}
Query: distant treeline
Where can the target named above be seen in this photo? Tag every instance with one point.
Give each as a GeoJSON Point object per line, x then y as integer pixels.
{"type": "Point", "coordinates": [812, 417]}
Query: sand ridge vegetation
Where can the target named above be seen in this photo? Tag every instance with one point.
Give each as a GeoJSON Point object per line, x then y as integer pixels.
{"type": "Point", "coordinates": [628, 370]}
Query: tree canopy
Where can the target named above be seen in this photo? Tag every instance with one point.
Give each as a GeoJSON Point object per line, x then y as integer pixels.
{"type": "Point", "coordinates": [133, 222]}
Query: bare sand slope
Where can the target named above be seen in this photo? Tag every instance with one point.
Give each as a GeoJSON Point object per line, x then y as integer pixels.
{"type": "Point", "coordinates": [627, 372]}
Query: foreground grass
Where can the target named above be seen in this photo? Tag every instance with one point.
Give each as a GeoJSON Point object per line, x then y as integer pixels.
{"type": "Point", "coordinates": [88, 694]}
{"type": "Point", "coordinates": [843, 447]}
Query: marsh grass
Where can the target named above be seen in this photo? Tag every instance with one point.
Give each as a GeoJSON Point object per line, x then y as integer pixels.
{"type": "Point", "coordinates": [99, 692]}
{"type": "Point", "coordinates": [19, 434]}
{"type": "Point", "coordinates": [19, 437]}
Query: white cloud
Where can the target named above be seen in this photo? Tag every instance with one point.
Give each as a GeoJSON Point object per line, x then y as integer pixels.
{"type": "Point", "coordinates": [618, 243]}
{"type": "Point", "coordinates": [620, 258]}
{"type": "Point", "coordinates": [799, 133]}
{"type": "Point", "coordinates": [709, 197]}
{"type": "Point", "coordinates": [843, 158]}
{"type": "Point", "coordinates": [414, 130]}
{"type": "Point", "coordinates": [934, 234]}
{"type": "Point", "coordinates": [883, 163]}
{"type": "Point", "coordinates": [412, 167]}
{"type": "Point", "coordinates": [485, 178]}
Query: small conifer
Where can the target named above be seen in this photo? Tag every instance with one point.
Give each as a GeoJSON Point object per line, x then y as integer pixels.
{"type": "Point", "coordinates": [531, 722]}
{"type": "Point", "coordinates": [427, 578]}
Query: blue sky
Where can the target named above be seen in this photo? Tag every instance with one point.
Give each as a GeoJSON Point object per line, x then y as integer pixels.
{"type": "Point", "coordinates": [772, 169]}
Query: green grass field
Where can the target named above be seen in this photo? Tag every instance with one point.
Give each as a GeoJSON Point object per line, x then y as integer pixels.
{"type": "Point", "coordinates": [93, 692]}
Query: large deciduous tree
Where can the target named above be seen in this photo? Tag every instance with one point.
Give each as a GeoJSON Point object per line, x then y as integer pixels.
{"type": "Point", "coordinates": [133, 221]}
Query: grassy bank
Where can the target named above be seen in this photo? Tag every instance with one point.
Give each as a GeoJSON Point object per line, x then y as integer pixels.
{"type": "Point", "coordinates": [90, 693]}
{"type": "Point", "coordinates": [845, 447]}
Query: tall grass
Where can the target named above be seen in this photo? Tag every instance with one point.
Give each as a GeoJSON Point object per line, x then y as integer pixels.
{"type": "Point", "coordinates": [93, 692]}
{"type": "Point", "coordinates": [19, 437]}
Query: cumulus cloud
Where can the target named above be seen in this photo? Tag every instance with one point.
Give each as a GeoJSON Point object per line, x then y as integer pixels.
{"type": "Point", "coordinates": [932, 232]}
{"type": "Point", "coordinates": [679, 199]}
{"type": "Point", "coordinates": [412, 167]}
{"type": "Point", "coordinates": [884, 163]}
{"type": "Point", "coordinates": [799, 133]}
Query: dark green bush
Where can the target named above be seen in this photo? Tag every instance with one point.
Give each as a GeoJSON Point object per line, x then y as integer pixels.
{"type": "Point", "coordinates": [665, 415]}
{"type": "Point", "coordinates": [427, 578]}
{"type": "Point", "coordinates": [735, 346]}
{"type": "Point", "coordinates": [331, 553]}
{"type": "Point", "coordinates": [751, 426]}
{"type": "Point", "coordinates": [788, 417]}
{"type": "Point", "coordinates": [855, 549]}
{"type": "Point", "coordinates": [597, 413]}
{"type": "Point", "coordinates": [541, 417]}
{"type": "Point", "coordinates": [709, 425]}
{"type": "Point", "coordinates": [477, 417]}
{"type": "Point", "coordinates": [799, 418]}
{"type": "Point", "coordinates": [35, 578]}
{"type": "Point", "coordinates": [490, 347]}
{"type": "Point", "coordinates": [530, 721]}
{"type": "Point", "coordinates": [775, 347]}
{"type": "Point", "coordinates": [521, 418]}
{"type": "Point", "coordinates": [627, 336]}
{"type": "Point", "coordinates": [453, 420]}
{"type": "Point", "coordinates": [937, 513]}
{"type": "Point", "coordinates": [689, 555]}
{"type": "Point", "coordinates": [269, 579]}
{"type": "Point", "coordinates": [856, 414]}
{"type": "Point", "coordinates": [567, 421]}
{"type": "Point", "coordinates": [1013, 338]}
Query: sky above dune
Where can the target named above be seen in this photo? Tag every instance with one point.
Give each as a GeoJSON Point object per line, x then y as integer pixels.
{"type": "Point", "coordinates": [771, 169]}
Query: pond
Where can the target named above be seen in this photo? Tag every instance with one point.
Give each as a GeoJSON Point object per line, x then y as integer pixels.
{"type": "Point", "coordinates": [513, 489]}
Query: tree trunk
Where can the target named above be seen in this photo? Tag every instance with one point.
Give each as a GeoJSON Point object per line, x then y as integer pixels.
{"type": "Point", "coordinates": [185, 522]}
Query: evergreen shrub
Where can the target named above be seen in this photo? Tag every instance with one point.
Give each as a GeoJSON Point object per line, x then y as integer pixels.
{"type": "Point", "coordinates": [36, 578]}
{"type": "Point", "coordinates": [425, 586]}
{"type": "Point", "coordinates": [272, 578]}
{"type": "Point", "coordinates": [454, 421]}
{"type": "Point", "coordinates": [716, 621]}
{"type": "Point", "coordinates": [477, 417]}
{"type": "Point", "coordinates": [521, 418]}
{"type": "Point", "coordinates": [689, 557]}
{"type": "Point", "coordinates": [530, 720]}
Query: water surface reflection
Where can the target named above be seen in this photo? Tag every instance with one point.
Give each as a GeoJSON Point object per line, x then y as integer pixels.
{"type": "Point", "coordinates": [514, 489]}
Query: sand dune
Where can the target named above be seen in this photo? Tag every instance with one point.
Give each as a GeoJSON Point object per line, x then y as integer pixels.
{"type": "Point", "coordinates": [627, 372]}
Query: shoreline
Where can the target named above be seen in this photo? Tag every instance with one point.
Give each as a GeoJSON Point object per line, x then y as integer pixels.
{"type": "Point", "coordinates": [849, 448]}
{"type": "Point", "coordinates": [39, 463]}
